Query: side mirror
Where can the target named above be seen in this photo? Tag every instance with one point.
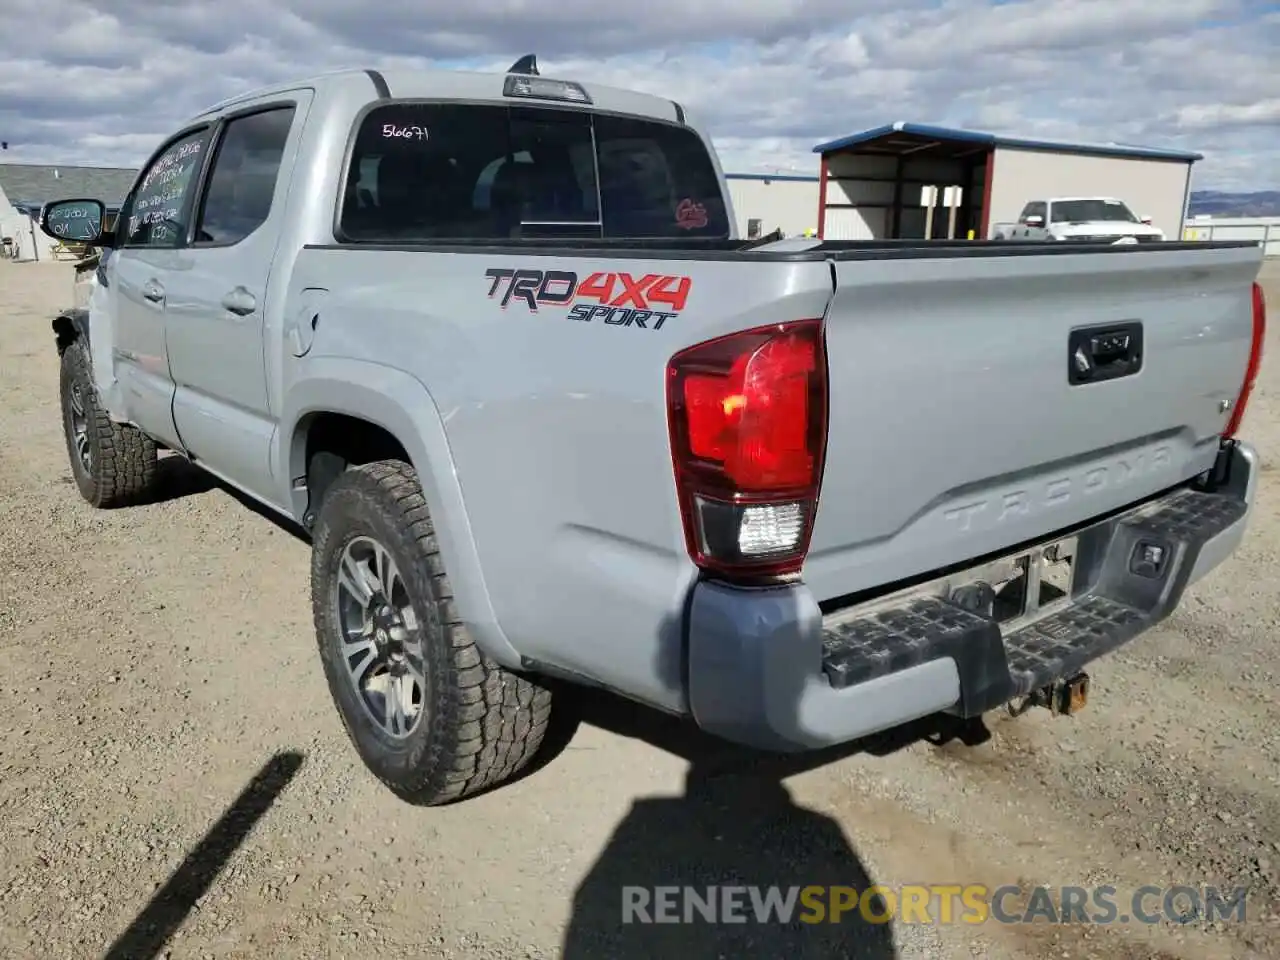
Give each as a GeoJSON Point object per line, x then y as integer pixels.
{"type": "Point", "coordinates": [74, 221]}
{"type": "Point", "coordinates": [1035, 220]}
{"type": "Point", "coordinates": [1146, 220]}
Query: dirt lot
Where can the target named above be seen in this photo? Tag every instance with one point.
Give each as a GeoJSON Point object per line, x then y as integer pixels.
{"type": "Point", "coordinates": [175, 782]}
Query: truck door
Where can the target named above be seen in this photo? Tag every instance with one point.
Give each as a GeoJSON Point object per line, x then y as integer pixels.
{"type": "Point", "coordinates": [1031, 222]}
{"type": "Point", "coordinates": [151, 227]}
{"type": "Point", "coordinates": [217, 292]}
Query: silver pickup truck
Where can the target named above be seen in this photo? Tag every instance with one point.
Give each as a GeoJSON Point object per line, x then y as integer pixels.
{"type": "Point", "coordinates": [493, 342]}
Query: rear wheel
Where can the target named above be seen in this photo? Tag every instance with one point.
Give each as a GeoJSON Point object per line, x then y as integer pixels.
{"type": "Point", "coordinates": [114, 464]}
{"type": "Point", "coordinates": [429, 714]}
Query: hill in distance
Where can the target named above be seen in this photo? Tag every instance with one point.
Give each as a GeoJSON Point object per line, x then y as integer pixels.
{"type": "Point", "coordinates": [1216, 203]}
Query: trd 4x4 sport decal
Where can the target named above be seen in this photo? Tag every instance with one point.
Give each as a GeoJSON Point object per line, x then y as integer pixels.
{"type": "Point", "coordinates": [618, 299]}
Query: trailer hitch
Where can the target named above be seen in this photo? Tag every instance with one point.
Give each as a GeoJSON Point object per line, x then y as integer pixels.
{"type": "Point", "coordinates": [1062, 698]}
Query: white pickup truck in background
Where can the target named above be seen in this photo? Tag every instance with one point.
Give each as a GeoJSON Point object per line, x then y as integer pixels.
{"type": "Point", "coordinates": [1079, 219]}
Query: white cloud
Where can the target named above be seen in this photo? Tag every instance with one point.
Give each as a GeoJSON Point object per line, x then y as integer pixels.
{"type": "Point", "coordinates": [1209, 116]}
{"type": "Point", "coordinates": [101, 83]}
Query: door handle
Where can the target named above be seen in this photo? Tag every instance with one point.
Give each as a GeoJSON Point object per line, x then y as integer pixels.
{"type": "Point", "coordinates": [153, 292]}
{"type": "Point", "coordinates": [240, 302]}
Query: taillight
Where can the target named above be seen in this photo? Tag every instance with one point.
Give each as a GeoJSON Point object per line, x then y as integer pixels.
{"type": "Point", "coordinates": [1255, 362]}
{"type": "Point", "coordinates": [748, 419]}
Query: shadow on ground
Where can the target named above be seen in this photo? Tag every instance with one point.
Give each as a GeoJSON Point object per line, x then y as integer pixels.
{"type": "Point", "coordinates": [147, 935]}
{"type": "Point", "coordinates": [735, 825]}
{"type": "Point", "coordinates": [178, 478]}
{"type": "Point", "coordinates": [708, 873]}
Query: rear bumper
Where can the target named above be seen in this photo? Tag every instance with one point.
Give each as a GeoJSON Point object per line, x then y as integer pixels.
{"type": "Point", "coordinates": [768, 670]}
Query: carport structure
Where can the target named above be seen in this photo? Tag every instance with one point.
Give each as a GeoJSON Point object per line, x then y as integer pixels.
{"type": "Point", "coordinates": [871, 183]}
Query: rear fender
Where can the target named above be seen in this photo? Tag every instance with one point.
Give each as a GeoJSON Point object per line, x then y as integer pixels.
{"type": "Point", "coordinates": [401, 405]}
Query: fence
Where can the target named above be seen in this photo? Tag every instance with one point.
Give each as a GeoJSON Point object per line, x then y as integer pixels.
{"type": "Point", "coordinates": [1266, 229]}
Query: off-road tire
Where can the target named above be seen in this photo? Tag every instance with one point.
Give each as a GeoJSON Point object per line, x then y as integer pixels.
{"type": "Point", "coordinates": [481, 724]}
{"type": "Point", "coordinates": [122, 459]}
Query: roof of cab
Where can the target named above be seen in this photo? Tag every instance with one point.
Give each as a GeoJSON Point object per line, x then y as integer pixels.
{"type": "Point", "coordinates": [457, 85]}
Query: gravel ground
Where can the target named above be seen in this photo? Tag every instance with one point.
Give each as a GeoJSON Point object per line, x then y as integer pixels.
{"type": "Point", "coordinates": [175, 782]}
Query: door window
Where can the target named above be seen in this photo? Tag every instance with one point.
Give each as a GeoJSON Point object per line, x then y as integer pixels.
{"type": "Point", "coordinates": [242, 182]}
{"type": "Point", "coordinates": [1032, 210]}
{"type": "Point", "coordinates": [158, 212]}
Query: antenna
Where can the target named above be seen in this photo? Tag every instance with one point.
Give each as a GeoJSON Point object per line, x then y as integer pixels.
{"type": "Point", "coordinates": [527, 65]}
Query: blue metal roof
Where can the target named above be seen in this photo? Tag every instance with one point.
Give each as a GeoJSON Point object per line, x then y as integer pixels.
{"type": "Point", "coordinates": [997, 140]}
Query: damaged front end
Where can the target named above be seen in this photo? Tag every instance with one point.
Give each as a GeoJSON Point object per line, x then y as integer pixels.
{"type": "Point", "coordinates": [86, 276]}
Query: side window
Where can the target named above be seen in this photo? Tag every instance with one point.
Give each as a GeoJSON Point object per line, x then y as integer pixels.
{"type": "Point", "coordinates": [1034, 209]}
{"type": "Point", "coordinates": [159, 210]}
{"type": "Point", "coordinates": [242, 182]}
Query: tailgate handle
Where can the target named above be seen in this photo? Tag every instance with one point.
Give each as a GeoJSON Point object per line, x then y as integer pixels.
{"type": "Point", "coordinates": [1104, 352]}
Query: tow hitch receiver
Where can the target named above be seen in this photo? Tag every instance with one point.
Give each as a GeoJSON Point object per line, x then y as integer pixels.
{"type": "Point", "coordinates": [1062, 698]}
{"type": "Point", "coordinates": [1066, 697]}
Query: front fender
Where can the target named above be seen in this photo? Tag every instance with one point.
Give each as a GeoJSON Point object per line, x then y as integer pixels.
{"type": "Point", "coordinates": [400, 404]}
{"type": "Point", "coordinates": [69, 325]}
{"type": "Point", "coordinates": [75, 323]}
{"type": "Point", "coordinates": [91, 322]}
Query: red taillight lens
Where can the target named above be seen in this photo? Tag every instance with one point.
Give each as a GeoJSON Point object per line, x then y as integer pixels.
{"type": "Point", "coordinates": [1255, 362]}
{"type": "Point", "coordinates": [748, 417]}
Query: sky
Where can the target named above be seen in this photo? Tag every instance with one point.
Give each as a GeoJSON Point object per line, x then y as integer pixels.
{"type": "Point", "coordinates": [102, 82]}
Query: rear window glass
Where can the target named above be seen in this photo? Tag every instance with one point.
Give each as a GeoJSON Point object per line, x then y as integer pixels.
{"type": "Point", "coordinates": [454, 171]}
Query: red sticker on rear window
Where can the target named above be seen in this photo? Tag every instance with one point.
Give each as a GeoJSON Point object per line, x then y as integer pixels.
{"type": "Point", "coordinates": [690, 215]}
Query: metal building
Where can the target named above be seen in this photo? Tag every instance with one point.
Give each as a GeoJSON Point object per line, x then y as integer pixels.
{"type": "Point", "coordinates": [764, 202]}
{"type": "Point", "coordinates": [875, 184]}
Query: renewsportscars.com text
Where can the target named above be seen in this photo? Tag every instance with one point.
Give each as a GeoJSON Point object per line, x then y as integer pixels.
{"type": "Point", "coordinates": [931, 904]}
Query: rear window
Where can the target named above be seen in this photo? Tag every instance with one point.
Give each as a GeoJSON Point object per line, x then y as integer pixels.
{"type": "Point", "coordinates": [424, 172]}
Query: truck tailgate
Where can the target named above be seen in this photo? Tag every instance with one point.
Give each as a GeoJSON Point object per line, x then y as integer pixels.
{"type": "Point", "coordinates": [955, 430]}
